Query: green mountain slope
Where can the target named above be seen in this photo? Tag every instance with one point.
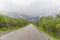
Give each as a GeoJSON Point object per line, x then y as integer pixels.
{"type": "Point", "coordinates": [9, 23]}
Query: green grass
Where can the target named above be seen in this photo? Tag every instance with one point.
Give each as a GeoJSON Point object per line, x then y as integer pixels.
{"type": "Point", "coordinates": [51, 35]}
{"type": "Point", "coordinates": [8, 29]}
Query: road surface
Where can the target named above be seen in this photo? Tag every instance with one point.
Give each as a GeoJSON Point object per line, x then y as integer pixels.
{"type": "Point", "coordinates": [26, 33]}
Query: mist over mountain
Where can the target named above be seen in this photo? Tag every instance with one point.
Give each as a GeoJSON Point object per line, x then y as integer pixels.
{"type": "Point", "coordinates": [27, 17]}
{"type": "Point", "coordinates": [29, 9]}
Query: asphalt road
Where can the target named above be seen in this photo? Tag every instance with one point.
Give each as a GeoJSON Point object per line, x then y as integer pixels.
{"type": "Point", "coordinates": [27, 33]}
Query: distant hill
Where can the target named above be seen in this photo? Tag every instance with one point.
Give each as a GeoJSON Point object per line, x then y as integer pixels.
{"type": "Point", "coordinates": [32, 18]}
{"type": "Point", "coordinates": [29, 18]}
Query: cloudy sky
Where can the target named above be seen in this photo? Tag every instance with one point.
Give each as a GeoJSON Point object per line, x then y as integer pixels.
{"type": "Point", "coordinates": [30, 7]}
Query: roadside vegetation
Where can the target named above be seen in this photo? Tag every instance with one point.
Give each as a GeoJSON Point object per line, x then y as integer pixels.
{"type": "Point", "coordinates": [9, 23]}
{"type": "Point", "coordinates": [49, 25]}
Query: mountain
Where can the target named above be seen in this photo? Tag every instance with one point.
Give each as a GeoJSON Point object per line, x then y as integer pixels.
{"type": "Point", "coordinates": [14, 15]}
{"type": "Point", "coordinates": [31, 18]}
{"type": "Point", "coordinates": [18, 15]}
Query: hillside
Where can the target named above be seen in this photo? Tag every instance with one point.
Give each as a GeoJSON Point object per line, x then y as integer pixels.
{"type": "Point", "coordinates": [11, 23]}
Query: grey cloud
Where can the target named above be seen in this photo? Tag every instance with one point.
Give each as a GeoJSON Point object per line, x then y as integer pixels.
{"type": "Point", "coordinates": [32, 7]}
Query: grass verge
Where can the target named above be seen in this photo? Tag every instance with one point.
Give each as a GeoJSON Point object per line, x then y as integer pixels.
{"type": "Point", "coordinates": [8, 29]}
{"type": "Point", "coordinates": [51, 35]}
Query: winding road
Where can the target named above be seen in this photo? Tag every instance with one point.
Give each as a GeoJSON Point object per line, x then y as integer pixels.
{"type": "Point", "coordinates": [27, 33]}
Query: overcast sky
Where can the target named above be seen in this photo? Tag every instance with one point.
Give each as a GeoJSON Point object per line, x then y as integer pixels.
{"type": "Point", "coordinates": [30, 7]}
